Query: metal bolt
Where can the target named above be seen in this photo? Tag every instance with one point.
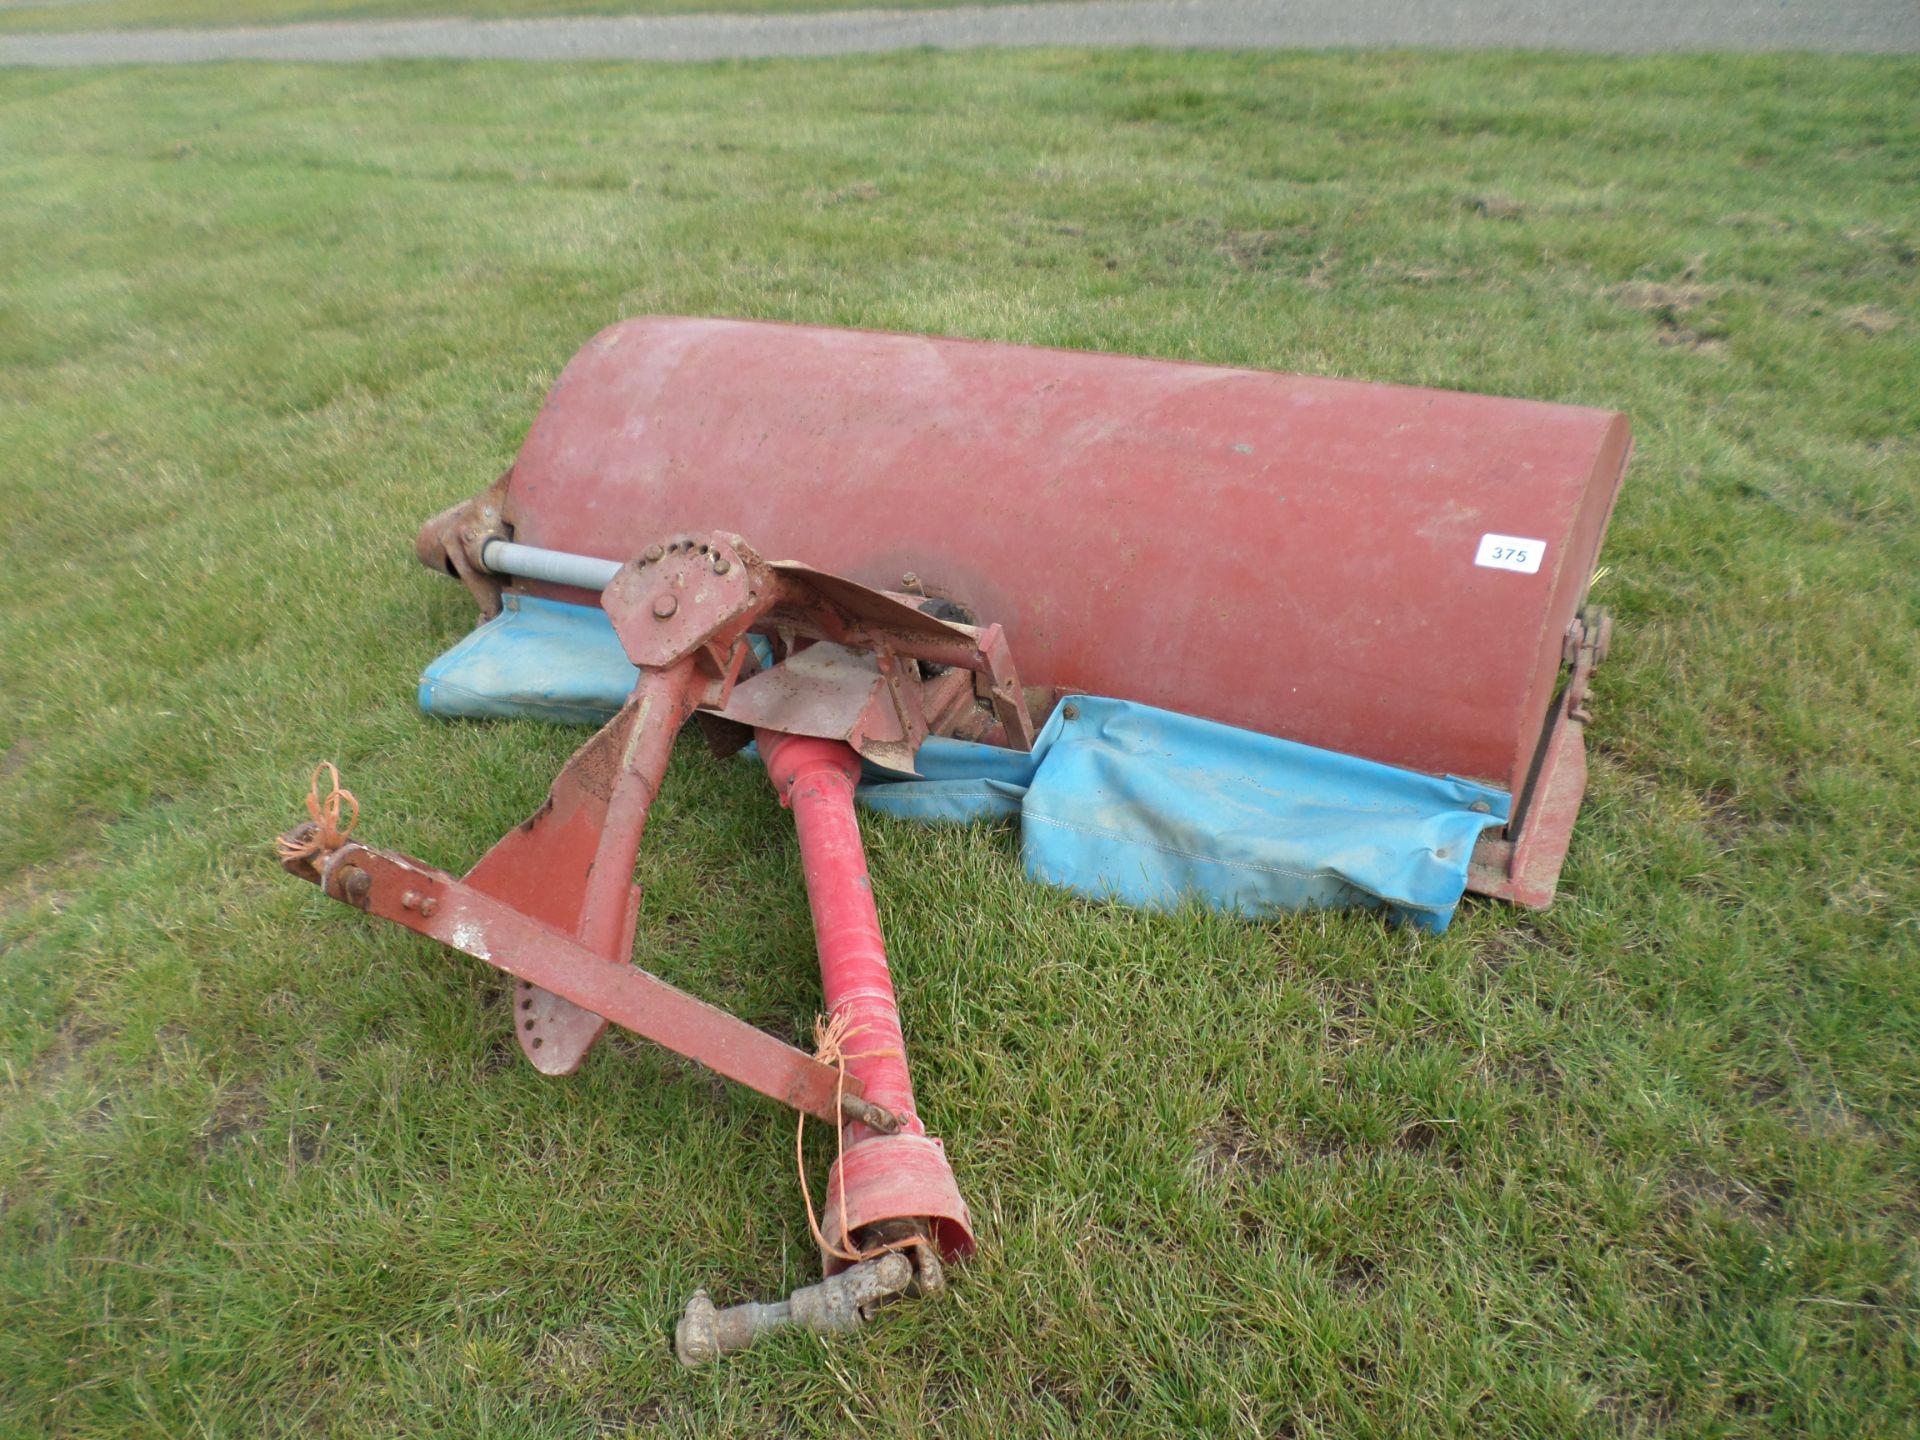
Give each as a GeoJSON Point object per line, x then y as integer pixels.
{"type": "Point", "coordinates": [1480, 807]}
{"type": "Point", "coordinates": [664, 606]}
{"type": "Point", "coordinates": [428, 906]}
{"type": "Point", "coordinates": [720, 565]}
{"type": "Point", "coordinates": [654, 552]}
{"type": "Point", "coordinates": [410, 900]}
{"type": "Point", "coordinates": [854, 1107]}
{"type": "Point", "coordinates": [1072, 712]}
{"type": "Point", "coordinates": [355, 885]}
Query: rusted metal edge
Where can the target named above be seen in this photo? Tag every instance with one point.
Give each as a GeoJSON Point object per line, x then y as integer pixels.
{"type": "Point", "coordinates": [1522, 863]}
{"type": "Point", "coordinates": [1526, 870]}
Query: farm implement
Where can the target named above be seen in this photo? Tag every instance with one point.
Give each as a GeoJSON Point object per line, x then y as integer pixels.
{"type": "Point", "coordinates": [1280, 641]}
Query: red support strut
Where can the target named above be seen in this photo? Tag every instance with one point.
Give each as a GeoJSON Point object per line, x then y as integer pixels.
{"type": "Point", "coordinates": [902, 1176]}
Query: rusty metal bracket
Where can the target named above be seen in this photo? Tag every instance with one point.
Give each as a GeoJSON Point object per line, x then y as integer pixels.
{"type": "Point", "coordinates": [456, 539]}
{"type": "Point", "coordinates": [1589, 638]}
{"type": "Point", "coordinates": [1522, 863]}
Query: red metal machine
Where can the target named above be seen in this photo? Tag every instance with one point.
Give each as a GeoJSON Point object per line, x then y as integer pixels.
{"type": "Point", "coordinates": [1393, 573]}
{"type": "Point", "coordinates": [1397, 574]}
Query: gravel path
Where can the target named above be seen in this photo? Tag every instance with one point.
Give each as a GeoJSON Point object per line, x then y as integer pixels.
{"type": "Point", "coordinates": [1889, 26]}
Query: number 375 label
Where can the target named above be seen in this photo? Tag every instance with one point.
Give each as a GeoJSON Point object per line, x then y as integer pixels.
{"type": "Point", "coordinates": [1510, 552]}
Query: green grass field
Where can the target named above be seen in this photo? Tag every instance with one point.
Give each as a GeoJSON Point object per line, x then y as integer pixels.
{"type": "Point", "coordinates": [1647, 1164]}
{"type": "Point", "coordinates": [57, 15]}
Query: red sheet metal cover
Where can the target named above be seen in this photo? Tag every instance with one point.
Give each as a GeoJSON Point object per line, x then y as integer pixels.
{"type": "Point", "coordinates": [1304, 557]}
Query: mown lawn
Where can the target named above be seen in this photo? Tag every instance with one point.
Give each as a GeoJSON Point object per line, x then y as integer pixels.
{"type": "Point", "coordinates": [1647, 1164]}
{"type": "Point", "coordinates": [59, 15]}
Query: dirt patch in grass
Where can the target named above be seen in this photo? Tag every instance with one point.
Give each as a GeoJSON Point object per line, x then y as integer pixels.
{"type": "Point", "coordinates": [1419, 1137]}
{"type": "Point", "coordinates": [1679, 311]}
{"type": "Point", "coordinates": [304, 1145]}
{"type": "Point", "coordinates": [1515, 944]}
{"type": "Point", "coordinates": [1230, 1149]}
{"type": "Point", "coordinates": [571, 1365]}
{"type": "Point", "coordinates": [1345, 1019]}
{"type": "Point", "coordinates": [503, 1053]}
{"type": "Point", "coordinates": [1684, 337]}
{"type": "Point", "coordinates": [858, 193]}
{"type": "Point", "coordinates": [1535, 1072]}
{"type": "Point", "coordinates": [1247, 248]}
{"type": "Point", "coordinates": [1723, 816]}
{"type": "Point", "coordinates": [1695, 1191]}
{"type": "Point", "coordinates": [1661, 298]}
{"type": "Point", "coordinates": [1358, 1275]}
{"type": "Point", "coordinates": [565, 1359]}
{"type": "Point", "coordinates": [1633, 1415]}
{"type": "Point", "coordinates": [1497, 207]}
{"type": "Point", "coordinates": [1870, 319]}
{"type": "Point", "coordinates": [237, 1116]}
{"type": "Point", "coordinates": [1056, 1391]}
{"type": "Point", "coordinates": [40, 893]}
{"type": "Point", "coordinates": [74, 1041]}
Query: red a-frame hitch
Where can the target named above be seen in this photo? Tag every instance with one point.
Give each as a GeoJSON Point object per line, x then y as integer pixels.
{"type": "Point", "coordinates": [855, 672]}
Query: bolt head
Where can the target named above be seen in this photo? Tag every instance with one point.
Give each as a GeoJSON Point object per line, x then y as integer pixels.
{"type": "Point", "coordinates": [664, 606]}
{"type": "Point", "coordinates": [721, 565]}
{"type": "Point", "coordinates": [654, 552]}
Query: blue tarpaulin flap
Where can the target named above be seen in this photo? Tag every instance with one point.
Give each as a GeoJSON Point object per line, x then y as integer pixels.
{"type": "Point", "coordinates": [1121, 800]}
{"type": "Point", "coordinates": [1154, 808]}
{"type": "Point", "coordinates": [539, 658]}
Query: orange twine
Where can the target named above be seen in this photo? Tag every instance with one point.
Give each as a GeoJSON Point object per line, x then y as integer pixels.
{"type": "Point", "coordinates": [830, 1034]}
{"type": "Point", "coordinates": [327, 834]}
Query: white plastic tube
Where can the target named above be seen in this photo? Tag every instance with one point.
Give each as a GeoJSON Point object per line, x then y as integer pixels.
{"type": "Point", "coordinates": [556, 567]}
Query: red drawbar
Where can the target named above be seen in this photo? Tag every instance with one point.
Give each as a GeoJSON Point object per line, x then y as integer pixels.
{"type": "Point", "coordinates": [904, 1176]}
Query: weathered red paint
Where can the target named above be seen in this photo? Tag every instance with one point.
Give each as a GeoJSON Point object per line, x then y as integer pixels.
{"type": "Point", "coordinates": [570, 865]}
{"type": "Point", "coordinates": [898, 1176]}
{"type": "Point", "coordinates": [1287, 554]}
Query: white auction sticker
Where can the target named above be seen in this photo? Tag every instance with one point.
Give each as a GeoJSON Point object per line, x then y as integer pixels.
{"type": "Point", "coordinates": [1510, 552]}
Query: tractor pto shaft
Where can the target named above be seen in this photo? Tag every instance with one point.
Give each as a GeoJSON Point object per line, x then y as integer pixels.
{"type": "Point", "coordinates": [556, 567]}
{"type": "Point", "coordinates": [887, 1184]}
{"type": "Point", "coordinates": [817, 779]}
{"type": "Point", "coordinates": [833, 1307]}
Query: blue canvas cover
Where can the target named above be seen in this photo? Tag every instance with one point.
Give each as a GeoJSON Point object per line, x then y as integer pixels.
{"type": "Point", "coordinates": [1117, 799]}
{"type": "Point", "coordinates": [536, 658]}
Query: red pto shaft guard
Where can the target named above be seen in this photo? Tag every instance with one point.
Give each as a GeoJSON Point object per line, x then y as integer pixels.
{"type": "Point", "coordinates": [880, 1179]}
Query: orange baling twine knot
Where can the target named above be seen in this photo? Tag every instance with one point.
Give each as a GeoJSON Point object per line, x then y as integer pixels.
{"type": "Point", "coordinates": [327, 832]}
{"type": "Point", "coordinates": [830, 1036]}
